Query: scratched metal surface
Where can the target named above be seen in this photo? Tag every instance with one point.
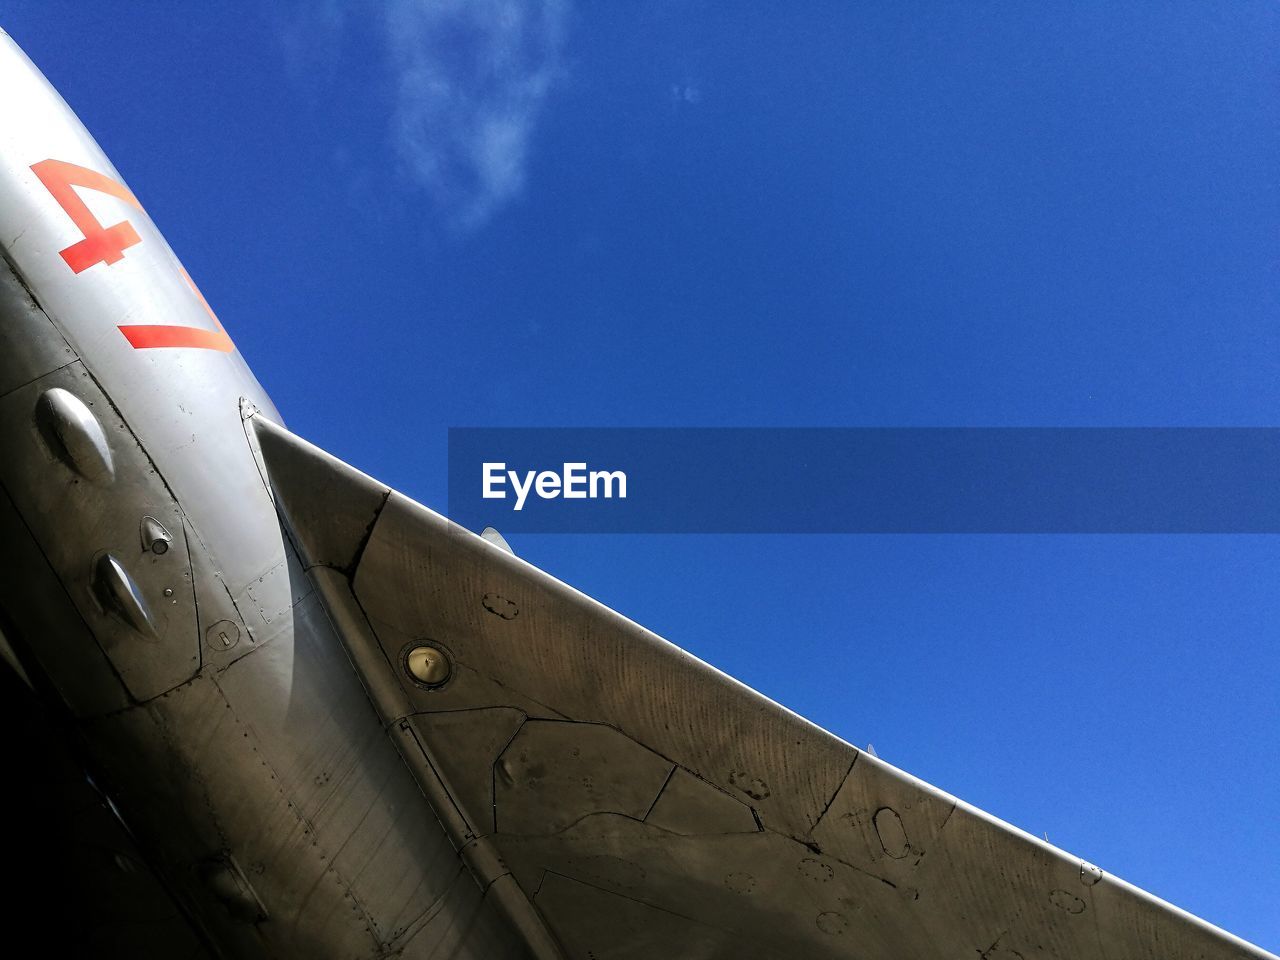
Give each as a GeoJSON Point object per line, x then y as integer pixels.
{"type": "Point", "coordinates": [146, 578]}
{"type": "Point", "coordinates": [644, 803]}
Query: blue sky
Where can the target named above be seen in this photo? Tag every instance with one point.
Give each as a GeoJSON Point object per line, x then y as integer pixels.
{"type": "Point", "coordinates": [416, 216]}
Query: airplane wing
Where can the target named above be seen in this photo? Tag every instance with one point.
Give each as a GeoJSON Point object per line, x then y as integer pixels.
{"type": "Point", "coordinates": [622, 799]}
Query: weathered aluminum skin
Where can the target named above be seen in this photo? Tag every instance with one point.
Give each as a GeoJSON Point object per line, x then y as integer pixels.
{"type": "Point", "coordinates": [614, 796]}
{"type": "Point", "coordinates": [626, 800]}
{"type": "Point", "coordinates": [145, 573]}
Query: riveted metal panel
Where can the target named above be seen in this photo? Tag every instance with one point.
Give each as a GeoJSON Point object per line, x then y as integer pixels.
{"type": "Point", "coordinates": [45, 623]}
{"type": "Point", "coordinates": [554, 773]}
{"type": "Point", "coordinates": [691, 806]}
{"type": "Point", "coordinates": [341, 773]}
{"type": "Point", "coordinates": [527, 634]}
{"type": "Point", "coordinates": [468, 744]}
{"type": "Point", "coordinates": [30, 345]}
{"type": "Point", "coordinates": [220, 814]}
{"type": "Point", "coordinates": [139, 604]}
{"type": "Point", "coordinates": [851, 858]}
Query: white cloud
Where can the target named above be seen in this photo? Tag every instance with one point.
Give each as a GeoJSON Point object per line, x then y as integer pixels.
{"type": "Point", "coordinates": [472, 77]}
{"type": "Point", "coordinates": [685, 93]}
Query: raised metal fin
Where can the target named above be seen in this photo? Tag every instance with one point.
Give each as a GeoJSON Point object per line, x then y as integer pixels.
{"type": "Point", "coordinates": [119, 594]}
{"type": "Point", "coordinates": [497, 539]}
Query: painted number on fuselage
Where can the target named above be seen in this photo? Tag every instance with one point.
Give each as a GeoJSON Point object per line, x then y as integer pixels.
{"type": "Point", "coordinates": [100, 244]}
{"type": "Point", "coordinates": [107, 245]}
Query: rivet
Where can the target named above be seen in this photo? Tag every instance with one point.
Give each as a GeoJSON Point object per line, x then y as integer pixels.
{"type": "Point", "coordinates": [428, 665]}
{"type": "Point", "coordinates": [168, 591]}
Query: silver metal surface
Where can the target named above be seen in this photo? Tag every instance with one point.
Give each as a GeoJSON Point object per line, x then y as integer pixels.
{"type": "Point", "coordinates": [381, 736]}
{"type": "Point", "coordinates": [643, 804]}
{"type": "Point", "coordinates": [154, 536]}
{"type": "Point", "coordinates": [119, 594]}
{"type": "Point", "coordinates": [149, 639]}
{"type": "Point", "coordinates": [74, 435]}
{"type": "Point", "coordinates": [147, 576]}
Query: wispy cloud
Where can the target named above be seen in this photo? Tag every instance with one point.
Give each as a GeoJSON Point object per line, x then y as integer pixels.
{"type": "Point", "coordinates": [472, 78]}
{"type": "Point", "coordinates": [682, 93]}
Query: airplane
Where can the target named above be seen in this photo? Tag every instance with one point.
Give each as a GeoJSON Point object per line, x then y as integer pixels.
{"type": "Point", "coordinates": [302, 715]}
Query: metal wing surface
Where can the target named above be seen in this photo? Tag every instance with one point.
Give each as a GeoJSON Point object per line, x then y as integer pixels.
{"type": "Point", "coordinates": [623, 799]}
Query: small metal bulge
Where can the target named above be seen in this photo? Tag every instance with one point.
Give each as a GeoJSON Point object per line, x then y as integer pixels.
{"type": "Point", "coordinates": [154, 536]}
{"type": "Point", "coordinates": [119, 594]}
{"type": "Point", "coordinates": [73, 435]}
{"type": "Point", "coordinates": [428, 665]}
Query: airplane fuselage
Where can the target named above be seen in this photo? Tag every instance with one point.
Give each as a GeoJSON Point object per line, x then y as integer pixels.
{"type": "Point", "coordinates": [148, 584]}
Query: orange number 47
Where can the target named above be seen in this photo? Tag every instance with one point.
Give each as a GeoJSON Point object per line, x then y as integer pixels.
{"type": "Point", "coordinates": [107, 245]}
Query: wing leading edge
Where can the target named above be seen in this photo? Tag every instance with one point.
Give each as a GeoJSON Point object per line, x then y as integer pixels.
{"type": "Point", "coordinates": [621, 799]}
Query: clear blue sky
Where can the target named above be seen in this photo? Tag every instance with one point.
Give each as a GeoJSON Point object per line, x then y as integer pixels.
{"type": "Point", "coordinates": [886, 213]}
